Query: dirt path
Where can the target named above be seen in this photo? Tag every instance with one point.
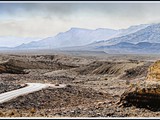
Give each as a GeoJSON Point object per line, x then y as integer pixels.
{"type": "Point", "coordinates": [31, 87]}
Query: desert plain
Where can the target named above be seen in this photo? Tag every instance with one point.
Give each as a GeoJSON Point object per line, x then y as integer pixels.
{"type": "Point", "coordinates": [95, 83]}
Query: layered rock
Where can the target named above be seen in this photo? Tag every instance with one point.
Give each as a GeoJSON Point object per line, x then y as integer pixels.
{"type": "Point", "coordinates": [146, 93]}
{"type": "Point", "coordinates": [6, 67]}
{"type": "Point", "coordinates": [154, 72]}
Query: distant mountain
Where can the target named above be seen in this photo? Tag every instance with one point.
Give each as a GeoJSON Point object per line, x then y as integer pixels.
{"type": "Point", "coordinates": [11, 41]}
{"type": "Point", "coordinates": [135, 39]}
{"type": "Point", "coordinates": [79, 37]}
{"type": "Point", "coordinates": [72, 37]}
{"type": "Point", "coordinates": [6, 48]}
{"type": "Point", "coordinates": [131, 29]}
{"type": "Point", "coordinates": [144, 41]}
{"type": "Point", "coordinates": [125, 47]}
{"type": "Point", "coordinates": [150, 34]}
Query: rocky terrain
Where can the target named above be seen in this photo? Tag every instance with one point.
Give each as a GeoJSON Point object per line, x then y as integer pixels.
{"type": "Point", "coordinates": [9, 86]}
{"type": "Point", "coordinates": [102, 86]}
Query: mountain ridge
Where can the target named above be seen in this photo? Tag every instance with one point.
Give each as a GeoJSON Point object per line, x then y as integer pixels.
{"type": "Point", "coordinates": [80, 36]}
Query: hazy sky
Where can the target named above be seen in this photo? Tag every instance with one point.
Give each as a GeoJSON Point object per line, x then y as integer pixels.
{"type": "Point", "coordinates": [48, 19]}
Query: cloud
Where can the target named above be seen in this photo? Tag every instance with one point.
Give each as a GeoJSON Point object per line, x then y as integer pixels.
{"type": "Point", "coordinates": [65, 9]}
{"type": "Point", "coordinates": [48, 19]}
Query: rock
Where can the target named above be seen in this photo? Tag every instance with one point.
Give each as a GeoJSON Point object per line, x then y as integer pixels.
{"type": "Point", "coordinates": [1, 114]}
{"type": "Point", "coordinates": [154, 72]}
{"type": "Point", "coordinates": [7, 67]}
{"type": "Point", "coordinates": [33, 110]}
{"type": "Point", "coordinates": [145, 94]}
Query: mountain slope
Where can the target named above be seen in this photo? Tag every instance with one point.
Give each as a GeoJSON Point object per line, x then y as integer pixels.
{"type": "Point", "coordinates": [148, 34]}
{"type": "Point", "coordinates": [131, 29]}
{"type": "Point", "coordinates": [11, 41]}
{"type": "Point", "coordinates": [80, 37]}
{"type": "Point", "coordinates": [139, 48]}
{"type": "Point", "coordinates": [72, 37]}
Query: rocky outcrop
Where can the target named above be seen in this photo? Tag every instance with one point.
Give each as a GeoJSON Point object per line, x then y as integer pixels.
{"type": "Point", "coordinates": [7, 67]}
{"type": "Point", "coordinates": [154, 72]}
{"type": "Point", "coordinates": [18, 66]}
{"type": "Point", "coordinates": [136, 72]}
{"type": "Point", "coordinates": [37, 64]}
{"type": "Point", "coordinates": [146, 93]}
{"type": "Point", "coordinates": [103, 67]}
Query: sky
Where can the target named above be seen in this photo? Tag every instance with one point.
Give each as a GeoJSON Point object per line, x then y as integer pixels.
{"type": "Point", "coordinates": [48, 19]}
